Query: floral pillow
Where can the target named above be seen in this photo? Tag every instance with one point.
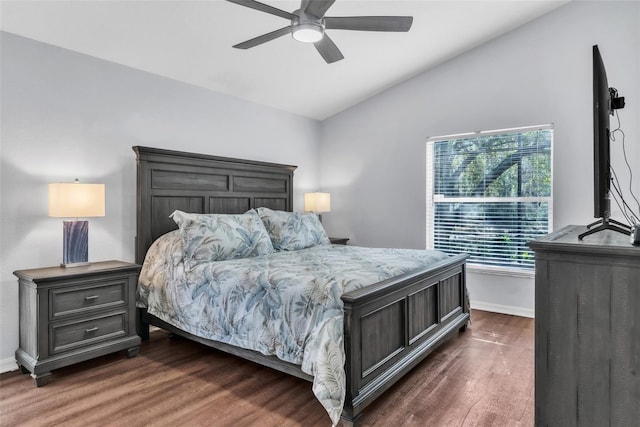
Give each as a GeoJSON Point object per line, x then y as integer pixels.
{"type": "Point", "coordinates": [291, 231]}
{"type": "Point", "coordinates": [216, 237]}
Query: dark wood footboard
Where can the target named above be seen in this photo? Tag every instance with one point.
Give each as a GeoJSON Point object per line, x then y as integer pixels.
{"type": "Point", "coordinates": [391, 326]}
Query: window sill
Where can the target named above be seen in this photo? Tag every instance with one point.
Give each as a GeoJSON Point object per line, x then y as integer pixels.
{"type": "Point", "coordinates": [501, 271]}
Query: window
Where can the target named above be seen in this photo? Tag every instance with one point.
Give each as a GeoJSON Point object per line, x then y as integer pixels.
{"type": "Point", "coordinates": [489, 193]}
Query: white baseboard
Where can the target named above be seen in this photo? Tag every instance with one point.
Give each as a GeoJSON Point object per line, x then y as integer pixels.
{"type": "Point", "coordinates": [504, 309]}
{"type": "Point", "coordinates": [7, 365]}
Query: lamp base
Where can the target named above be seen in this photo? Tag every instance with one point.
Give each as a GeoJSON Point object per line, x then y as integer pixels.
{"type": "Point", "coordinates": [74, 264]}
{"type": "Point", "coordinates": [75, 248]}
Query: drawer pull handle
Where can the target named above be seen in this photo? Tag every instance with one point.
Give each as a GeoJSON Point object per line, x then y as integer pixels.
{"type": "Point", "coordinates": [88, 331]}
{"type": "Point", "coordinates": [91, 298]}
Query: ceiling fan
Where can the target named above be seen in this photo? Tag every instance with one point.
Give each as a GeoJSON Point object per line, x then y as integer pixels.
{"type": "Point", "coordinates": [308, 25]}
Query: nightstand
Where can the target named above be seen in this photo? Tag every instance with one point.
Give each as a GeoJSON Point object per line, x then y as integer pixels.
{"type": "Point", "coordinates": [69, 315]}
{"type": "Point", "coordinates": [338, 240]}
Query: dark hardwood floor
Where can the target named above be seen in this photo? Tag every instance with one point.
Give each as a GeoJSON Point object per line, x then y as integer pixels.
{"type": "Point", "coordinates": [482, 377]}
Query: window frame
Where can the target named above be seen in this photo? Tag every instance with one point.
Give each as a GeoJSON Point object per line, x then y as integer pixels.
{"type": "Point", "coordinates": [432, 199]}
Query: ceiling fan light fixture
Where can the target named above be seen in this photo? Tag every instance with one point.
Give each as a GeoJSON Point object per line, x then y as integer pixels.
{"type": "Point", "coordinates": [308, 32]}
{"type": "Point", "coordinates": [309, 22]}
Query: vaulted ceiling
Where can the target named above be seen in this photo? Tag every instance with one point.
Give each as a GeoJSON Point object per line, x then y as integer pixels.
{"type": "Point", "coordinates": [191, 41]}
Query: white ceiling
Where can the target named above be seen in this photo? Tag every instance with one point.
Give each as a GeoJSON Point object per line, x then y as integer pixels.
{"type": "Point", "coordinates": [191, 41]}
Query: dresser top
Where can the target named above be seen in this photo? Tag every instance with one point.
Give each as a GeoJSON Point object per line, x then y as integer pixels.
{"type": "Point", "coordinates": [566, 240]}
{"type": "Point", "coordinates": [56, 273]}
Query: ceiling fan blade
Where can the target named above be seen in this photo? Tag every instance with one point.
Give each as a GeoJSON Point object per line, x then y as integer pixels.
{"type": "Point", "coordinates": [328, 49]}
{"type": "Point", "coordinates": [264, 38]}
{"type": "Point", "coordinates": [369, 23]}
{"type": "Point", "coordinates": [317, 8]}
{"type": "Point", "coordinates": [263, 8]}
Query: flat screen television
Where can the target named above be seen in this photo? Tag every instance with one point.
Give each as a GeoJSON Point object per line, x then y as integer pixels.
{"type": "Point", "coordinates": [605, 101]}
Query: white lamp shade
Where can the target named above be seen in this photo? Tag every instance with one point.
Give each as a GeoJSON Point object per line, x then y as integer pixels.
{"type": "Point", "coordinates": [317, 202]}
{"type": "Point", "coordinates": [75, 200]}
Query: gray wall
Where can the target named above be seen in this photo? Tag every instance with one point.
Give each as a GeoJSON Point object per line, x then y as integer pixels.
{"type": "Point", "coordinates": [373, 155]}
{"type": "Point", "coordinates": [66, 115]}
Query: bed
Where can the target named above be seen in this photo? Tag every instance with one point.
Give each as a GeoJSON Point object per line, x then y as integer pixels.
{"type": "Point", "coordinates": [388, 326]}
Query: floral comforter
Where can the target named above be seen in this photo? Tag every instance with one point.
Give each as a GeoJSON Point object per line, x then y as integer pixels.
{"type": "Point", "coordinates": [285, 304]}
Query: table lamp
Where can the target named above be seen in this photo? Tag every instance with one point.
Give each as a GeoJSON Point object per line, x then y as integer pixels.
{"type": "Point", "coordinates": [75, 200]}
{"type": "Point", "coordinates": [317, 203]}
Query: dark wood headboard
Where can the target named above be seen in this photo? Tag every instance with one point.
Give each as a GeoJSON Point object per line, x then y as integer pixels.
{"type": "Point", "coordinates": [168, 180]}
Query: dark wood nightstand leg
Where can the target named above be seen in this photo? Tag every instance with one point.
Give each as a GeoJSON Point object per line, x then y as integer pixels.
{"type": "Point", "coordinates": [41, 379]}
{"type": "Point", "coordinates": [24, 370]}
{"type": "Point", "coordinates": [132, 352]}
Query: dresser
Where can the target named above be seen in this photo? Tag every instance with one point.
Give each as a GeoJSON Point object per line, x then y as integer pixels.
{"type": "Point", "coordinates": [69, 315]}
{"type": "Point", "coordinates": [587, 329]}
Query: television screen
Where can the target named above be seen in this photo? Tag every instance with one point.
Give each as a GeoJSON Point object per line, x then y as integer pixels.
{"type": "Point", "coordinates": [601, 109]}
{"type": "Point", "coordinates": [605, 100]}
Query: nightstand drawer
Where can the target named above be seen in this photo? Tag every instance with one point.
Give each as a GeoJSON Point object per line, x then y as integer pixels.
{"type": "Point", "coordinates": [88, 296]}
{"type": "Point", "coordinates": [69, 335]}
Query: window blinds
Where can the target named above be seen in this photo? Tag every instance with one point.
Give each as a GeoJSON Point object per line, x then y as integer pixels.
{"type": "Point", "coordinates": [489, 193]}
